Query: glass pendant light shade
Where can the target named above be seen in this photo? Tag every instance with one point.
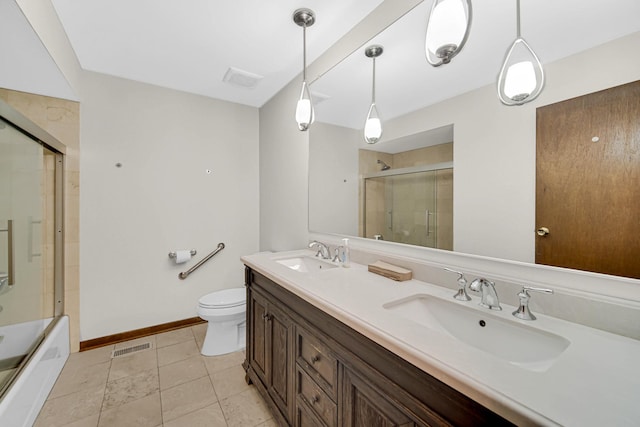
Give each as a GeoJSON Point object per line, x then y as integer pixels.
{"type": "Point", "coordinates": [304, 109]}
{"type": "Point", "coordinates": [521, 77]}
{"type": "Point", "coordinates": [372, 126]}
{"type": "Point", "coordinates": [447, 30]}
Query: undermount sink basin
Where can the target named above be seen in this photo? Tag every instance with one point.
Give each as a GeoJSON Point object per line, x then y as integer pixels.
{"type": "Point", "coordinates": [306, 264]}
{"type": "Point", "coordinates": [508, 340]}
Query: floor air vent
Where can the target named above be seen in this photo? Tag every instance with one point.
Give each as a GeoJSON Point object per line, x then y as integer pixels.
{"type": "Point", "coordinates": [128, 350]}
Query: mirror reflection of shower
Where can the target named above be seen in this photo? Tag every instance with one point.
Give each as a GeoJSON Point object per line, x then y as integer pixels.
{"type": "Point", "coordinates": [384, 165]}
{"type": "Point", "coordinates": [406, 193]}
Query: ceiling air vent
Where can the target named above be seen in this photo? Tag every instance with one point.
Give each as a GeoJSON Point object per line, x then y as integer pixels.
{"type": "Point", "coordinates": [241, 78]}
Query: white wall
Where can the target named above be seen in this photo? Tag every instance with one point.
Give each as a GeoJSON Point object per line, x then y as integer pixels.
{"type": "Point", "coordinates": [44, 20]}
{"type": "Point", "coordinates": [338, 147]}
{"type": "Point", "coordinates": [284, 154]}
{"type": "Point", "coordinates": [28, 67]}
{"type": "Point", "coordinates": [160, 200]}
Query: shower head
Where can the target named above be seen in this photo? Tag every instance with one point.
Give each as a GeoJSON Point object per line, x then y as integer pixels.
{"type": "Point", "coordinates": [384, 165]}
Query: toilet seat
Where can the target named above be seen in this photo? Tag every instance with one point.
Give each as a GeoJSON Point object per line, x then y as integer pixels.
{"type": "Point", "coordinates": [226, 298]}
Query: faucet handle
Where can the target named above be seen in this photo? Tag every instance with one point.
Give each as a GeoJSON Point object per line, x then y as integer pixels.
{"type": "Point", "coordinates": [336, 257]}
{"type": "Point", "coordinates": [523, 311]}
{"type": "Point", "coordinates": [461, 295]}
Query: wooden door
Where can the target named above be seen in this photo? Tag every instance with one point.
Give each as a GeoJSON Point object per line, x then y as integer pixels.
{"type": "Point", "coordinates": [588, 182]}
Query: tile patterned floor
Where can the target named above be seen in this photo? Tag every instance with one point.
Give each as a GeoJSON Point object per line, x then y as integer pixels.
{"type": "Point", "coordinates": [170, 385]}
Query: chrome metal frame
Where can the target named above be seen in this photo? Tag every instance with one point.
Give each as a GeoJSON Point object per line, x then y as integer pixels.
{"type": "Point", "coordinates": [50, 143]}
{"type": "Point", "coordinates": [11, 280]}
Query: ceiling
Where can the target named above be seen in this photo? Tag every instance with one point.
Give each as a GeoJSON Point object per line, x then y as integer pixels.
{"type": "Point", "coordinates": [405, 81]}
{"type": "Point", "coordinates": [189, 45]}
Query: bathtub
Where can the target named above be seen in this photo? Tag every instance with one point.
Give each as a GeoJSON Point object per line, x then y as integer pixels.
{"type": "Point", "coordinates": [23, 401]}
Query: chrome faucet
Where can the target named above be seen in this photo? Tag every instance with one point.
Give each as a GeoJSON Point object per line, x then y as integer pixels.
{"type": "Point", "coordinates": [488, 290]}
{"type": "Point", "coordinates": [323, 250]}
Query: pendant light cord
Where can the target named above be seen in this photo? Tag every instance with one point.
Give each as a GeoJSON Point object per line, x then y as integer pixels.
{"type": "Point", "coordinates": [518, 18]}
{"type": "Point", "coordinates": [304, 53]}
{"type": "Point", "coordinates": [373, 83]}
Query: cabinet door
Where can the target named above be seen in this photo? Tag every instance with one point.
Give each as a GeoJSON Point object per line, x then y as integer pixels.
{"type": "Point", "coordinates": [258, 329]}
{"type": "Point", "coordinates": [280, 359]}
{"type": "Point", "coordinates": [363, 406]}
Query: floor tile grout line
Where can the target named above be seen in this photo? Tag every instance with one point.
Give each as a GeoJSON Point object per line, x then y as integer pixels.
{"type": "Point", "coordinates": [159, 386]}
{"type": "Point", "coordinates": [104, 392]}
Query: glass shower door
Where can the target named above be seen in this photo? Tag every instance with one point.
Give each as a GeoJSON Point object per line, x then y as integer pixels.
{"type": "Point", "coordinates": [27, 176]}
{"type": "Point", "coordinates": [413, 207]}
{"type": "Point", "coordinates": [402, 208]}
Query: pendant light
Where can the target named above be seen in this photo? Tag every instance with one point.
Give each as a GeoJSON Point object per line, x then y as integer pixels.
{"type": "Point", "coordinates": [304, 109]}
{"type": "Point", "coordinates": [448, 28]}
{"type": "Point", "coordinates": [373, 125]}
{"type": "Point", "coordinates": [521, 77]}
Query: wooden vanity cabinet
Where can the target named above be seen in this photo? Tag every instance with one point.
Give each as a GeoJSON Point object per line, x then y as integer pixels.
{"type": "Point", "coordinates": [313, 370]}
{"type": "Point", "coordinates": [270, 350]}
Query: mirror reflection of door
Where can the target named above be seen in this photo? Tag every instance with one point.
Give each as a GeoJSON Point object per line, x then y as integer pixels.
{"type": "Point", "coordinates": [588, 182]}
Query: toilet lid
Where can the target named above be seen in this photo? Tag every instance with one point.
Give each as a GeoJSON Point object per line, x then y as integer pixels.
{"type": "Point", "coordinates": [225, 298]}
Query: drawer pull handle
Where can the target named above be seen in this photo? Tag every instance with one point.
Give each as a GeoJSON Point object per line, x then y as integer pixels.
{"type": "Point", "coordinates": [314, 400]}
{"type": "Point", "coordinates": [266, 317]}
{"type": "Point", "coordinates": [315, 359]}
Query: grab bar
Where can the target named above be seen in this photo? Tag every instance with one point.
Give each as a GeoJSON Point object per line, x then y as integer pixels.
{"type": "Point", "coordinates": [10, 270]}
{"type": "Point", "coordinates": [186, 274]}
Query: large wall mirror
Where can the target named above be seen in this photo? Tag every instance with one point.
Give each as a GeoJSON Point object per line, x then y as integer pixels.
{"type": "Point", "coordinates": [583, 49]}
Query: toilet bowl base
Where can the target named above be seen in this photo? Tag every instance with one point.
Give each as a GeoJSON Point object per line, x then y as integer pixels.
{"type": "Point", "coordinates": [223, 338]}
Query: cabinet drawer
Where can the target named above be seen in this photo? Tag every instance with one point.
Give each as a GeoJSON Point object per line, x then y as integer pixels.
{"type": "Point", "coordinates": [316, 399]}
{"type": "Point", "coordinates": [317, 360]}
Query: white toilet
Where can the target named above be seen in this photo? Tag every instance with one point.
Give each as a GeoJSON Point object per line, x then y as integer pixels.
{"type": "Point", "coordinates": [225, 312]}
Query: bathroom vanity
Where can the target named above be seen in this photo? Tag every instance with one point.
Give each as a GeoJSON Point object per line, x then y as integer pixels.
{"type": "Point", "coordinates": [329, 346]}
{"type": "Point", "coordinates": [315, 370]}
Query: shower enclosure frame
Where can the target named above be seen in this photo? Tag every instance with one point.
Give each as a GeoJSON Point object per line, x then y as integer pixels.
{"type": "Point", "coordinates": [390, 172]}
{"type": "Point", "coordinates": [48, 142]}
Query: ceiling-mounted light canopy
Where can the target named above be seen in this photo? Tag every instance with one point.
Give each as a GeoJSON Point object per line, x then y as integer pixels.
{"type": "Point", "coordinates": [521, 77]}
{"type": "Point", "coordinates": [304, 109]}
{"type": "Point", "coordinates": [448, 28]}
{"type": "Point", "coordinates": [373, 125]}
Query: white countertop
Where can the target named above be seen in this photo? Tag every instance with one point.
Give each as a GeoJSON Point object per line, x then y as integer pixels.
{"type": "Point", "coordinates": [594, 382]}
